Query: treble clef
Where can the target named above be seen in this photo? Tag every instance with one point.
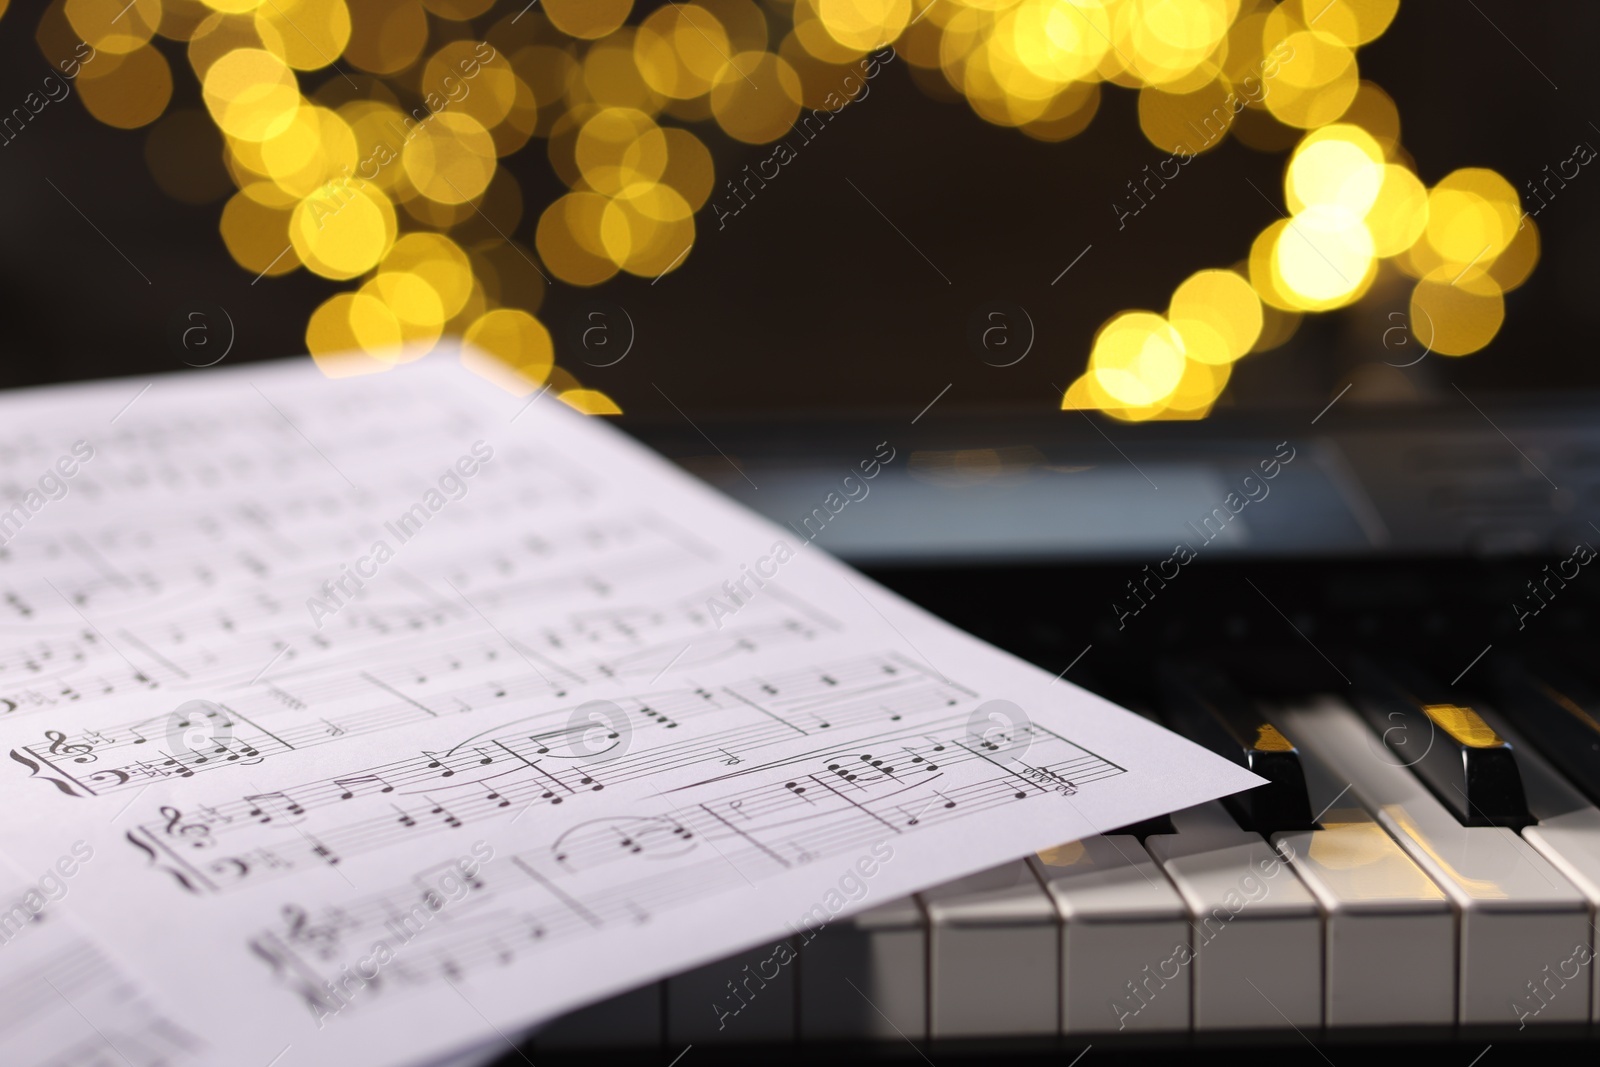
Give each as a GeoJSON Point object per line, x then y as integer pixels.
{"type": "Point", "coordinates": [302, 931]}
{"type": "Point", "coordinates": [176, 827]}
{"type": "Point", "coordinates": [60, 747]}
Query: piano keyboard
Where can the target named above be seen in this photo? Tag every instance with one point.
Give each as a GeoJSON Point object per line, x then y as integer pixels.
{"type": "Point", "coordinates": [1420, 859]}
{"type": "Point", "coordinates": [1426, 862]}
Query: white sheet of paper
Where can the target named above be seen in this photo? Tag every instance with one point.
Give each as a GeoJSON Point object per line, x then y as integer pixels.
{"type": "Point", "coordinates": [402, 713]}
{"type": "Point", "coordinates": [63, 1000]}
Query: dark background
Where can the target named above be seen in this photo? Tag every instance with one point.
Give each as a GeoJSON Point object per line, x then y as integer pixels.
{"type": "Point", "coordinates": [808, 300]}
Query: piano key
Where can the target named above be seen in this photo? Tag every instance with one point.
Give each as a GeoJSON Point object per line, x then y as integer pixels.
{"type": "Point", "coordinates": [1389, 952]}
{"type": "Point", "coordinates": [1255, 936]}
{"type": "Point", "coordinates": [1123, 927]}
{"type": "Point", "coordinates": [1161, 824]}
{"type": "Point", "coordinates": [993, 948]}
{"type": "Point", "coordinates": [866, 977]}
{"type": "Point", "coordinates": [1568, 835]}
{"type": "Point", "coordinates": [1515, 911]}
{"type": "Point", "coordinates": [1469, 768]}
{"type": "Point", "coordinates": [1202, 705]}
{"type": "Point", "coordinates": [628, 1020]}
{"type": "Point", "coordinates": [748, 997]}
{"type": "Point", "coordinates": [1557, 712]}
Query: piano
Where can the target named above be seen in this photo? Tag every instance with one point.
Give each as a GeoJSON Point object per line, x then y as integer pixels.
{"type": "Point", "coordinates": [1396, 634]}
{"type": "Point", "coordinates": [1385, 611]}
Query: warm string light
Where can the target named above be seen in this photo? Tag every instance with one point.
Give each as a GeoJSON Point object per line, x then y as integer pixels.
{"type": "Point", "coordinates": [388, 175]}
{"type": "Point", "coordinates": [1352, 197]}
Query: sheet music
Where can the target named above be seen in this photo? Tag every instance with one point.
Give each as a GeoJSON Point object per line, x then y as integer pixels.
{"type": "Point", "coordinates": [63, 1000]}
{"type": "Point", "coordinates": [402, 713]}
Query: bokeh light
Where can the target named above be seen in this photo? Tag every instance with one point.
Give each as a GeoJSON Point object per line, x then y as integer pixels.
{"type": "Point", "coordinates": [364, 140]}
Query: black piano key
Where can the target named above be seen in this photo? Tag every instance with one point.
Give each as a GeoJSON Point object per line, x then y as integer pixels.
{"type": "Point", "coordinates": [1448, 746]}
{"type": "Point", "coordinates": [1202, 705]}
{"type": "Point", "coordinates": [1161, 824]}
{"type": "Point", "coordinates": [1558, 712]}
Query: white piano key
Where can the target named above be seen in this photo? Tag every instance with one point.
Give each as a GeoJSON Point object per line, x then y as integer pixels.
{"type": "Point", "coordinates": [1568, 835]}
{"type": "Point", "coordinates": [865, 978]}
{"type": "Point", "coordinates": [1389, 936]}
{"type": "Point", "coordinates": [993, 944]}
{"type": "Point", "coordinates": [1123, 925]}
{"type": "Point", "coordinates": [628, 1020]}
{"type": "Point", "coordinates": [1515, 911]}
{"type": "Point", "coordinates": [746, 998]}
{"type": "Point", "coordinates": [1255, 932]}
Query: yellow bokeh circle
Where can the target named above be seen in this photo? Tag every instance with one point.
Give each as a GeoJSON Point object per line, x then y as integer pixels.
{"type": "Point", "coordinates": [1138, 358]}
{"type": "Point", "coordinates": [1456, 314]}
{"type": "Point", "coordinates": [589, 19]}
{"type": "Point", "coordinates": [451, 160]}
{"type": "Point", "coordinates": [439, 262]}
{"type": "Point", "coordinates": [756, 98]}
{"type": "Point", "coordinates": [342, 232]}
{"type": "Point", "coordinates": [1218, 315]}
{"type": "Point", "coordinates": [251, 94]}
{"type": "Point", "coordinates": [516, 339]}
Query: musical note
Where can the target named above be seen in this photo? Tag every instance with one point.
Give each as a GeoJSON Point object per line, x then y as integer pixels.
{"type": "Point", "coordinates": [179, 767]}
{"type": "Point", "coordinates": [260, 802]}
{"type": "Point", "coordinates": [450, 818]}
{"type": "Point", "coordinates": [350, 785]}
{"type": "Point", "coordinates": [700, 786]}
{"type": "Point", "coordinates": [246, 751]}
